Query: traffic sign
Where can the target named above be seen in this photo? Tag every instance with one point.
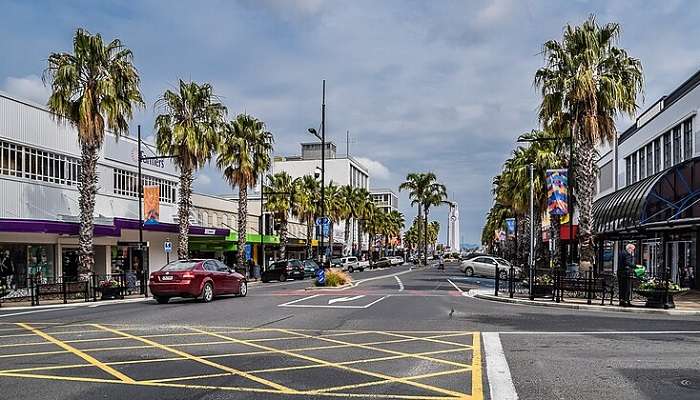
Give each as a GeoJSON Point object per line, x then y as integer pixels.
{"type": "Point", "coordinates": [322, 221]}
{"type": "Point", "coordinates": [321, 276]}
{"type": "Point", "coordinates": [168, 246]}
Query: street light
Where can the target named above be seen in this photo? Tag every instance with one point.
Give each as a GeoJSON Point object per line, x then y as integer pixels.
{"type": "Point", "coordinates": [322, 138]}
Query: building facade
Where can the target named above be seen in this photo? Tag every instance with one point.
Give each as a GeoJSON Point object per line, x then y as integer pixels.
{"type": "Point", "coordinates": [385, 199]}
{"type": "Point", "coordinates": [648, 187]}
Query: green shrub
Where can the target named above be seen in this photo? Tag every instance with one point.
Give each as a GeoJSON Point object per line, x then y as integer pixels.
{"type": "Point", "coordinates": [336, 277]}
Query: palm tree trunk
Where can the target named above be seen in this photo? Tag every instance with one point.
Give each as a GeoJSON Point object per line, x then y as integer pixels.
{"type": "Point", "coordinates": [283, 239]}
{"type": "Point", "coordinates": [242, 220]}
{"type": "Point", "coordinates": [88, 190]}
{"type": "Point", "coordinates": [330, 239]}
{"type": "Point", "coordinates": [555, 237]}
{"type": "Point", "coordinates": [585, 189]}
{"type": "Point", "coordinates": [347, 236]}
{"type": "Point", "coordinates": [425, 239]}
{"type": "Point", "coordinates": [309, 224]}
{"type": "Point", "coordinates": [183, 213]}
{"type": "Point", "coordinates": [418, 219]}
{"type": "Point", "coordinates": [359, 239]}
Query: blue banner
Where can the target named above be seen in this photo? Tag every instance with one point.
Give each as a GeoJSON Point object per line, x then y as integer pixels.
{"type": "Point", "coordinates": [510, 226]}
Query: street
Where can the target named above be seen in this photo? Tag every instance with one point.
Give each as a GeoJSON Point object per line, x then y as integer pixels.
{"type": "Point", "coordinates": [399, 333]}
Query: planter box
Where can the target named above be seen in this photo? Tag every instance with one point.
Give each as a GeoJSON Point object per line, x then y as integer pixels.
{"type": "Point", "coordinates": [659, 298]}
{"type": "Point", "coordinates": [110, 293]}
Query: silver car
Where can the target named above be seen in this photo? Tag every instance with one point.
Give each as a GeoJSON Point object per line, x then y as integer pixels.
{"type": "Point", "coordinates": [486, 266]}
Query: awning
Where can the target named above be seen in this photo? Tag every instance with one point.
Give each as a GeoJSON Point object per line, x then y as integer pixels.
{"type": "Point", "coordinates": [668, 198]}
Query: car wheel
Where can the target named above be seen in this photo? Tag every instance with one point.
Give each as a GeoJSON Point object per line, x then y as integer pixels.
{"type": "Point", "coordinates": [207, 292]}
{"type": "Point", "coordinates": [243, 290]}
{"type": "Point", "coordinates": [362, 269]}
{"type": "Point", "coordinates": [283, 278]}
{"type": "Point", "coordinates": [469, 271]}
{"type": "Point", "coordinates": [351, 270]}
{"type": "Point", "coordinates": [162, 299]}
{"type": "Point", "coordinates": [503, 275]}
{"type": "Point", "coordinates": [264, 280]}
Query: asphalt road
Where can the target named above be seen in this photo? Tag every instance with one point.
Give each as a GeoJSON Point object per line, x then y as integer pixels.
{"type": "Point", "coordinates": [399, 333]}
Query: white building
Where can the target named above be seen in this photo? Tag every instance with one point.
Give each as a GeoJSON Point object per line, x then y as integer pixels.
{"type": "Point", "coordinates": [39, 209]}
{"type": "Point", "coordinates": [385, 199]}
{"type": "Point", "coordinates": [649, 187]}
{"type": "Point", "coordinates": [339, 170]}
{"type": "Point", "coordinates": [453, 239]}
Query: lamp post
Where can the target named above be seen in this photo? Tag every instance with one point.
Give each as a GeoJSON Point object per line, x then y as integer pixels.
{"type": "Point", "coordinates": [322, 138]}
{"type": "Point", "coordinates": [532, 229]}
{"type": "Point", "coordinates": [141, 158]}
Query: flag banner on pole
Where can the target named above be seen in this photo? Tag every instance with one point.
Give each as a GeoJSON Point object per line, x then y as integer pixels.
{"type": "Point", "coordinates": [510, 226]}
{"type": "Point", "coordinates": [151, 204]}
{"type": "Point", "coordinates": [557, 192]}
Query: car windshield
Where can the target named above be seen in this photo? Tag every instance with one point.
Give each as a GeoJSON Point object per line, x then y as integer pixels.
{"type": "Point", "coordinates": [336, 261]}
{"type": "Point", "coordinates": [311, 263]}
{"type": "Point", "coordinates": [180, 265]}
{"type": "Point", "coordinates": [279, 264]}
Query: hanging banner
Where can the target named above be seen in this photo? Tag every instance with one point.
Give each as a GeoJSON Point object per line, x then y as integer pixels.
{"type": "Point", "coordinates": [500, 235]}
{"type": "Point", "coordinates": [557, 192]}
{"type": "Point", "coordinates": [151, 204]}
{"type": "Point", "coordinates": [510, 226]}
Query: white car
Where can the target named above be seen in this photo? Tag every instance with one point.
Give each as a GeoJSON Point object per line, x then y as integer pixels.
{"type": "Point", "coordinates": [486, 266]}
{"type": "Point", "coordinates": [349, 263]}
{"type": "Point", "coordinates": [396, 260]}
{"type": "Point", "coordinates": [363, 264]}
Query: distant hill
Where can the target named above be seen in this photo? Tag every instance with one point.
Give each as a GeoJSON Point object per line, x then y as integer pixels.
{"type": "Point", "coordinates": [470, 246]}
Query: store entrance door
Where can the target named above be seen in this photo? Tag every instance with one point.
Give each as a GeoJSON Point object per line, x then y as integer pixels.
{"type": "Point", "coordinates": [69, 260]}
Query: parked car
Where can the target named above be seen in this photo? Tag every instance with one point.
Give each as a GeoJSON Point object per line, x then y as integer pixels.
{"type": "Point", "coordinates": [396, 260]}
{"type": "Point", "coordinates": [383, 262]}
{"type": "Point", "coordinates": [310, 267]}
{"type": "Point", "coordinates": [200, 278]}
{"type": "Point", "coordinates": [282, 270]}
{"type": "Point", "coordinates": [349, 263]}
{"type": "Point", "coordinates": [486, 266]}
{"type": "Point", "coordinates": [363, 264]}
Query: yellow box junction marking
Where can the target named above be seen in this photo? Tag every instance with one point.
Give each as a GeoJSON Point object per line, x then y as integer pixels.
{"type": "Point", "coordinates": [477, 384]}
{"type": "Point", "coordinates": [92, 360]}
{"type": "Point", "coordinates": [199, 359]}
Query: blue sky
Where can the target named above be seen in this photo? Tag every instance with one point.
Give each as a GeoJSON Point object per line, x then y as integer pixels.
{"type": "Point", "coordinates": [444, 86]}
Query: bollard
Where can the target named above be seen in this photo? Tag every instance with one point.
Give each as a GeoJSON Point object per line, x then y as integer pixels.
{"type": "Point", "coordinates": [511, 273]}
{"type": "Point", "coordinates": [497, 280]}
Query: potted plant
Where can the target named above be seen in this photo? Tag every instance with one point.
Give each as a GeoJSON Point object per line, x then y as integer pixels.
{"type": "Point", "coordinates": [659, 293]}
{"type": "Point", "coordinates": [110, 289]}
{"type": "Point", "coordinates": [542, 285]}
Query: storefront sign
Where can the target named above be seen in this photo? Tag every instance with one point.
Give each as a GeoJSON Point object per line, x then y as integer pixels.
{"type": "Point", "coordinates": [151, 204]}
{"type": "Point", "coordinates": [557, 195]}
{"type": "Point", "coordinates": [208, 231]}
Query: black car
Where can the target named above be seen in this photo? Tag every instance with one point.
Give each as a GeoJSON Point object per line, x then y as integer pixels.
{"type": "Point", "coordinates": [310, 267]}
{"type": "Point", "coordinates": [282, 270]}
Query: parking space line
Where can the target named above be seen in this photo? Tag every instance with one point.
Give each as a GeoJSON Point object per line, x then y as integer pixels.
{"type": "Point", "coordinates": [90, 359]}
{"type": "Point", "coordinates": [189, 356]}
{"type": "Point", "coordinates": [388, 378]}
{"type": "Point", "coordinates": [366, 347]}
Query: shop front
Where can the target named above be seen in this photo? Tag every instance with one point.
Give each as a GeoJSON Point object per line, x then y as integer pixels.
{"type": "Point", "coordinates": [225, 248]}
{"type": "Point", "coordinates": [660, 215]}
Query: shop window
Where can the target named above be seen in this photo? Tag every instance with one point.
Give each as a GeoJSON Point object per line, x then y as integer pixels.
{"type": "Point", "coordinates": [688, 139]}
{"type": "Point", "coordinates": [126, 184]}
{"type": "Point", "coordinates": [667, 150]}
{"type": "Point", "coordinates": [21, 262]}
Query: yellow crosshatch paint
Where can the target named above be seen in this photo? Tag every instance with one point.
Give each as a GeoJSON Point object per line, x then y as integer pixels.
{"type": "Point", "coordinates": [450, 361]}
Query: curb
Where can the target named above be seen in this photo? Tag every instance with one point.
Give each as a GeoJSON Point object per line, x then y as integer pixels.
{"type": "Point", "coordinates": [584, 307]}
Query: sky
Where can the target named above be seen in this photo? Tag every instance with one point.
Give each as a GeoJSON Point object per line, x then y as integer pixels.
{"type": "Point", "coordinates": [441, 86]}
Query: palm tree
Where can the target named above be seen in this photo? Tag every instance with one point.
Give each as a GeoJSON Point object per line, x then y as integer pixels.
{"type": "Point", "coordinates": [417, 184]}
{"type": "Point", "coordinates": [280, 195]}
{"type": "Point", "coordinates": [94, 87]}
{"type": "Point", "coordinates": [189, 130]}
{"type": "Point", "coordinates": [586, 83]}
{"type": "Point", "coordinates": [364, 210]}
{"type": "Point", "coordinates": [396, 223]}
{"type": "Point", "coordinates": [335, 207]}
{"type": "Point", "coordinates": [244, 154]}
{"type": "Point", "coordinates": [435, 195]}
{"type": "Point", "coordinates": [347, 203]}
{"type": "Point", "coordinates": [433, 232]}
{"type": "Point", "coordinates": [306, 206]}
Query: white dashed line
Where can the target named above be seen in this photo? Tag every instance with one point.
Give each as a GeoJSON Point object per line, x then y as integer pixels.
{"type": "Point", "coordinates": [398, 280]}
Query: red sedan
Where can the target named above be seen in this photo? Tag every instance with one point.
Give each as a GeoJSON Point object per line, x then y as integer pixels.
{"type": "Point", "coordinates": [196, 278]}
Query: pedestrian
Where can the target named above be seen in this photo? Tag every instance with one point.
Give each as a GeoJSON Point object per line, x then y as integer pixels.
{"type": "Point", "coordinates": [441, 262]}
{"type": "Point", "coordinates": [627, 265]}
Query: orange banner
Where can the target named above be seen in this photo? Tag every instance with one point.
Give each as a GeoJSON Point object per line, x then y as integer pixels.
{"type": "Point", "coordinates": [151, 204]}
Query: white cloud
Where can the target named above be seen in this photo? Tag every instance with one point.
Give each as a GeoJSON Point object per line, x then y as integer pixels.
{"type": "Point", "coordinates": [202, 180]}
{"type": "Point", "coordinates": [376, 169]}
{"type": "Point", "coordinates": [29, 87]}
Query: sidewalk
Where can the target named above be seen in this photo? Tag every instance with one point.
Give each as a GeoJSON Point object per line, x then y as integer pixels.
{"type": "Point", "coordinates": [686, 304]}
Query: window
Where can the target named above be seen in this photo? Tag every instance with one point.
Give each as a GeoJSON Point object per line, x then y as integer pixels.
{"type": "Point", "coordinates": [677, 145]}
{"type": "Point", "coordinates": [126, 184]}
{"type": "Point", "coordinates": [688, 139]}
{"type": "Point", "coordinates": [667, 150]}
{"type": "Point", "coordinates": [650, 163]}
{"type": "Point", "coordinates": [628, 170]}
{"type": "Point", "coordinates": [633, 159]}
{"type": "Point", "coordinates": [657, 155]}
{"type": "Point", "coordinates": [642, 164]}
{"type": "Point", "coordinates": [606, 176]}
{"type": "Point", "coordinates": [38, 165]}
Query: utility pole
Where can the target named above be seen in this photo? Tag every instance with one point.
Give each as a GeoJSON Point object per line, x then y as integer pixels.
{"type": "Point", "coordinates": [532, 230]}
{"type": "Point", "coordinates": [323, 172]}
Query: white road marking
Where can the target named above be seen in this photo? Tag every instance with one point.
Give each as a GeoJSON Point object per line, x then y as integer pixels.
{"type": "Point", "coordinates": [398, 280]}
{"type": "Point", "coordinates": [344, 299]}
{"type": "Point", "coordinates": [564, 333]}
{"type": "Point", "coordinates": [500, 382]}
{"type": "Point", "coordinates": [34, 311]}
{"type": "Point", "coordinates": [462, 292]}
{"type": "Point", "coordinates": [291, 304]}
{"type": "Point", "coordinates": [298, 300]}
{"type": "Point", "coordinates": [380, 277]}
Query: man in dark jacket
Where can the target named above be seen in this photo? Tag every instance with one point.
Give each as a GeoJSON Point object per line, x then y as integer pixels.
{"type": "Point", "coordinates": [624, 270]}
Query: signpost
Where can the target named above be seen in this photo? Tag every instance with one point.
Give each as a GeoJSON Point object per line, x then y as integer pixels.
{"type": "Point", "coordinates": [168, 248]}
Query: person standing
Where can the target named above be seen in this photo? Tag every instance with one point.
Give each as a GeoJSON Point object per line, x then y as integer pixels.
{"type": "Point", "coordinates": [623, 275]}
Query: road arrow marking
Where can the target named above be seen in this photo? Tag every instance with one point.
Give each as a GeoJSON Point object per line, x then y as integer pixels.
{"type": "Point", "coordinates": [344, 299]}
